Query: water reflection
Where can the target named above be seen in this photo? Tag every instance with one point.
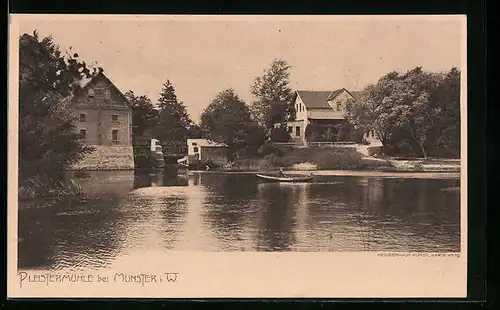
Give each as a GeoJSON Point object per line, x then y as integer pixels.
{"type": "Point", "coordinates": [77, 234]}
{"type": "Point", "coordinates": [278, 216]}
{"type": "Point", "coordinates": [127, 213]}
{"type": "Point", "coordinates": [167, 177]}
{"type": "Point", "coordinates": [227, 208]}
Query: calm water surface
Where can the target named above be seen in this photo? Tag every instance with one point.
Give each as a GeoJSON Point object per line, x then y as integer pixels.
{"type": "Point", "coordinates": [126, 213]}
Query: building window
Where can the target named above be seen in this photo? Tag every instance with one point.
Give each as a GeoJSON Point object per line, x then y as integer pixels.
{"type": "Point", "coordinates": [290, 128]}
{"type": "Point", "coordinates": [114, 135]}
{"type": "Point", "coordinates": [195, 149]}
{"type": "Point", "coordinates": [194, 144]}
{"type": "Point", "coordinates": [83, 117]}
{"type": "Point", "coordinates": [83, 133]}
{"type": "Point", "coordinates": [91, 93]}
{"type": "Point", "coordinates": [339, 106]}
{"type": "Point", "coordinates": [297, 131]}
{"type": "Point", "coordinates": [107, 94]}
{"type": "Point", "coordinates": [114, 118]}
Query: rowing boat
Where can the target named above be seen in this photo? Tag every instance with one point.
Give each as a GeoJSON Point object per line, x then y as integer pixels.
{"type": "Point", "coordinates": [286, 178]}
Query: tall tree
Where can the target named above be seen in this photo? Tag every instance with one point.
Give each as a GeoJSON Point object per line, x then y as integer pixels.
{"type": "Point", "coordinates": [227, 120]}
{"type": "Point", "coordinates": [447, 100]}
{"type": "Point", "coordinates": [173, 120]}
{"type": "Point", "coordinates": [195, 131]}
{"type": "Point", "coordinates": [144, 114]}
{"type": "Point", "coordinates": [48, 142]}
{"type": "Point", "coordinates": [272, 95]}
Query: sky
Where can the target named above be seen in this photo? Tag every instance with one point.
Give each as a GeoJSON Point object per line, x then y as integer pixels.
{"type": "Point", "coordinates": [202, 56]}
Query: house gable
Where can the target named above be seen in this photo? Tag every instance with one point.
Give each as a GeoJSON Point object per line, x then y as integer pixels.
{"type": "Point", "coordinates": [103, 113]}
{"type": "Point", "coordinates": [338, 98]}
{"type": "Point", "coordinates": [100, 91]}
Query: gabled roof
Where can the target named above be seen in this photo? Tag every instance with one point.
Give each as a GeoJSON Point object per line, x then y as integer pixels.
{"type": "Point", "coordinates": [85, 82]}
{"type": "Point", "coordinates": [318, 99]}
{"type": "Point", "coordinates": [314, 99]}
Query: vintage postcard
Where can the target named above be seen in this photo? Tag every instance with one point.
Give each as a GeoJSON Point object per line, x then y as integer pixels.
{"type": "Point", "coordinates": [237, 156]}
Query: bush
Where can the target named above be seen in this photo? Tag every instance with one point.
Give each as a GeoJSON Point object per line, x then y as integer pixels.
{"type": "Point", "coordinates": [339, 160]}
{"type": "Point", "coordinates": [279, 135]}
{"type": "Point", "coordinates": [272, 161]}
{"type": "Point", "coordinates": [331, 158]}
{"type": "Point", "coordinates": [268, 149]}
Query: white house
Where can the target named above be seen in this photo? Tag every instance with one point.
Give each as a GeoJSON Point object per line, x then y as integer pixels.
{"type": "Point", "coordinates": [203, 151]}
{"type": "Point", "coordinates": [320, 107]}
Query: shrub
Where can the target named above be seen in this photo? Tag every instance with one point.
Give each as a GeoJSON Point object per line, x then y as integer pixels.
{"type": "Point", "coordinates": [267, 149]}
{"type": "Point", "coordinates": [279, 135]}
{"type": "Point", "coordinates": [338, 160]}
{"type": "Point", "coordinates": [331, 158]}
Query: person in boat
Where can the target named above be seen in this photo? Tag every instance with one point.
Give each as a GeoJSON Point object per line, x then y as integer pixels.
{"type": "Point", "coordinates": [208, 164]}
{"type": "Point", "coordinates": [281, 174]}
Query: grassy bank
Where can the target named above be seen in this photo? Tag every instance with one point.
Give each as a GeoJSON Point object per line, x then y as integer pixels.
{"type": "Point", "coordinates": [340, 158]}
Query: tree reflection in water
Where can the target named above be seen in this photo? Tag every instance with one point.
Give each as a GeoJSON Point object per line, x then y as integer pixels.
{"type": "Point", "coordinates": [237, 212]}
{"type": "Point", "coordinates": [229, 207]}
{"type": "Point", "coordinates": [278, 216]}
{"type": "Point", "coordinates": [75, 234]}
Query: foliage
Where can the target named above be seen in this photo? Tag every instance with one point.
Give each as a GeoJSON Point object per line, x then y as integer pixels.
{"type": "Point", "coordinates": [331, 158]}
{"type": "Point", "coordinates": [447, 98]}
{"type": "Point", "coordinates": [144, 114]}
{"type": "Point", "coordinates": [36, 187]}
{"type": "Point", "coordinates": [279, 134]}
{"type": "Point", "coordinates": [48, 141]}
{"type": "Point", "coordinates": [267, 149]}
{"type": "Point", "coordinates": [195, 131]}
{"type": "Point", "coordinates": [227, 120]}
{"type": "Point", "coordinates": [321, 133]}
{"type": "Point", "coordinates": [173, 121]}
{"type": "Point", "coordinates": [414, 114]}
{"type": "Point", "coordinates": [273, 96]}
{"type": "Point", "coordinates": [348, 133]}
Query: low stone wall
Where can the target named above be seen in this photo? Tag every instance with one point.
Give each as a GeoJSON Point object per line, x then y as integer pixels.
{"type": "Point", "coordinates": [107, 158]}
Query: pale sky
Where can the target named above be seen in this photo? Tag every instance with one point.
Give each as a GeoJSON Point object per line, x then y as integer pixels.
{"type": "Point", "coordinates": [203, 57]}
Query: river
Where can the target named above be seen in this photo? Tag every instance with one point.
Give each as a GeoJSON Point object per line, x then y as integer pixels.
{"type": "Point", "coordinates": [126, 213]}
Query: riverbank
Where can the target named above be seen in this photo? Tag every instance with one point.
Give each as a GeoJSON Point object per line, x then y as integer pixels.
{"type": "Point", "coordinates": [366, 164]}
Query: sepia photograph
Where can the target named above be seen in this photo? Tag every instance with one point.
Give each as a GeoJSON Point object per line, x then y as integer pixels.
{"type": "Point", "coordinates": [156, 151]}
